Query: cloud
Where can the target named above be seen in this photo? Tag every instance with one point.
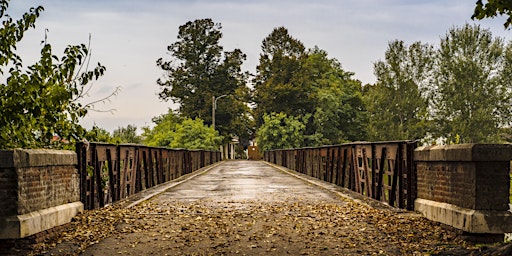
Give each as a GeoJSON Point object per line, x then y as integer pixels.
{"type": "Point", "coordinates": [128, 36]}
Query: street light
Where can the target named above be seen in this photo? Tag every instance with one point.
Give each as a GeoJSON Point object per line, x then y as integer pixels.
{"type": "Point", "coordinates": [214, 107]}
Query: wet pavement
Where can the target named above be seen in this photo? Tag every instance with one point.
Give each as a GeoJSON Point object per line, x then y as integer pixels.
{"type": "Point", "coordinates": [240, 181]}
{"type": "Point", "coordinates": [253, 208]}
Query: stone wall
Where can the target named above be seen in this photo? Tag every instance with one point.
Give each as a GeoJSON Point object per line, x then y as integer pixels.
{"type": "Point", "coordinates": [39, 189]}
{"type": "Point", "coordinates": [465, 186]}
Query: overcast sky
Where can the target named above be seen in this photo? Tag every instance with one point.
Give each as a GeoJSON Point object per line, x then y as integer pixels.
{"type": "Point", "coordinates": [129, 35]}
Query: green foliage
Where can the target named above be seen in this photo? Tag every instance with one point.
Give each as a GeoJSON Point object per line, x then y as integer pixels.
{"type": "Point", "coordinates": [172, 131]}
{"type": "Point", "coordinates": [473, 86]}
{"type": "Point", "coordinates": [281, 131]}
{"type": "Point", "coordinates": [127, 134]}
{"type": "Point", "coordinates": [41, 100]}
{"type": "Point", "coordinates": [12, 32]}
{"type": "Point", "coordinates": [280, 85]}
{"type": "Point", "coordinates": [97, 134]}
{"type": "Point", "coordinates": [397, 104]}
{"type": "Point", "coordinates": [161, 134]}
{"type": "Point", "coordinates": [459, 92]}
{"type": "Point", "coordinates": [308, 84]}
{"type": "Point", "coordinates": [193, 134]}
{"type": "Point", "coordinates": [200, 70]}
{"type": "Point", "coordinates": [493, 8]}
{"type": "Point", "coordinates": [339, 115]}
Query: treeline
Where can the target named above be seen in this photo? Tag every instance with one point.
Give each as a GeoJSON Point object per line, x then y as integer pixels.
{"type": "Point", "coordinates": [456, 91]}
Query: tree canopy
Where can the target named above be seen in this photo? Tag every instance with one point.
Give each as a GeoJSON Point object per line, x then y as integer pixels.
{"type": "Point", "coordinates": [308, 84]}
{"type": "Point", "coordinates": [458, 92]}
{"type": "Point", "coordinates": [280, 131]}
{"type": "Point", "coordinates": [493, 8]}
{"type": "Point", "coordinates": [200, 71]}
{"type": "Point", "coordinates": [161, 134]}
{"type": "Point", "coordinates": [338, 114]}
{"type": "Point", "coordinates": [193, 134]}
{"type": "Point", "coordinates": [398, 103]}
{"type": "Point", "coordinates": [126, 134]}
{"type": "Point", "coordinates": [41, 101]}
{"type": "Point", "coordinates": [472, 85]}
{"type": "Point", "coordinates": [174, 131]}
{"type": "Point", "coordinates": [279, 84]}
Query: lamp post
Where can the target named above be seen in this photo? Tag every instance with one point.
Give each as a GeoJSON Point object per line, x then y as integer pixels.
{"type": "Point", "coordinates": [214, 107]}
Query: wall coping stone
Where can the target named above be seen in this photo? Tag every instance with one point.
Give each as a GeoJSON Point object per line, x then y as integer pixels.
{"type": "Point", "coordinates": [464, 153]}
{"type": "Point", "coordinates": [469, 220]}
{"type": "Point", "coordinates": [36, 157]}
{"type": "Point", "coordinates": [20, 226]}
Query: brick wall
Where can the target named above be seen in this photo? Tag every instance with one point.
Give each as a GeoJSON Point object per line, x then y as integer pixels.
{"type": "Point", "coordinates": [473, 176]}
{"type": "Point", "coordinates": [39, 190]}
{"type": "Point", "coordinates": [8, 185]}
{"type": "Point", "coordinates": [466, 186]}
{"type": "Point", "coordinates": [44, 187]}
{"type": "Point", "coordinates": [32, 180]}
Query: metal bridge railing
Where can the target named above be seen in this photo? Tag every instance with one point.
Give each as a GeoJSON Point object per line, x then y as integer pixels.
{"type": "Point", "coordinates": [384, 171]}
{"type": "Point", "coordinates": [109, 173]}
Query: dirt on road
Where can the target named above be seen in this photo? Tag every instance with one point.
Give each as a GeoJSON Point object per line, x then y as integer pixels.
{"type": "Point", "coordinates": [236, 209]}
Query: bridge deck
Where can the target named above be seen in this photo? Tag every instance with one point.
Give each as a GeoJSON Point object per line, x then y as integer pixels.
{"type": "Point", "coordinates": [249, 207]}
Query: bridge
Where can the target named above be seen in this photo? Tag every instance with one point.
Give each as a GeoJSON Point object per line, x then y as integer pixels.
{"type": "Point", "coordinates": [296, 202]}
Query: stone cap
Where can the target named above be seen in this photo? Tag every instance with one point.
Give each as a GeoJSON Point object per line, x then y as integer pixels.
{"type": "Point", "coordinates": [36, 157]}
{"type": "Point", "coordinates": [465, 152]}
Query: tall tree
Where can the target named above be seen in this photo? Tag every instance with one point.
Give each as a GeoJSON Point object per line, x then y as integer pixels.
{"type": "Point", "coordinates": [398, 104]}
{"type": "Point", "coordinates": [200, 70]}
{"type": "Point", "coordinates": [339, 113]}
{"type": "Point", "coordinates": [42, 100]}
{"type": "Point", "coordinates": [473, 85]}
{"type": "Point", "coordinates": [279, 84]}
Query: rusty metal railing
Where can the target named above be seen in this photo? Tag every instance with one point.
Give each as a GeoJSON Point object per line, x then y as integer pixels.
{"type": "Point", "coordinates": [384, 171]}
{"type": "Point", "coordinates": [109, 173]}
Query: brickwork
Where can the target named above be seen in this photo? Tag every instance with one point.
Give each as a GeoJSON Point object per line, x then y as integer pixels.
{"type": "Point", "coordinates": [464, 179]}
{"type": "Point", "coordinates": [8, 192]}
{"type": "Point", "coordinates": [466, 186]}
{"type": "Point", "coordinates": [39, 189]}
{"type": "Point", "coordinates": [446, 182]}
{"type": "Point", "coordinates": [44, 187]}
{"type": "Point", "coordinates": [32, 180]}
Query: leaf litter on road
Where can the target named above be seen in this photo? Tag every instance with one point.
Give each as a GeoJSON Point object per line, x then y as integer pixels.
{"type": "Point", "coordinates": [295, 227]}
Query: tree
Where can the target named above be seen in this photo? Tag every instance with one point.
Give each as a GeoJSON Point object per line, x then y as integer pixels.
{"type": "Point", "coordinates": [161, 134]}
{"type": "Point", "coordinates": [232, 113]}
{"type": "Point", "coordinates": [280, 131]}
{"type": "Point", "coordinates": [126, 134]}
{"type": "Point", "coordinates": [193, 134]}
{"type": "Point", "coordinates": [201, 70]}
{"type": "Point", "coordinates": [473, 86]}
{"type": "Point", "coordinates": [339, 113]}
{"type": "Point", "coordinates": [42, 100]}
{"type": "Point", "coordinates": [279, 84]}
{"type": "Point", "coordinates": [98, 134]}
{"type": "Point", "coordinates": [174, 131]}
{"type": "Point", "coordinates": [493, 8]}
{"type": "Point", "coordinates": [398, 104]}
